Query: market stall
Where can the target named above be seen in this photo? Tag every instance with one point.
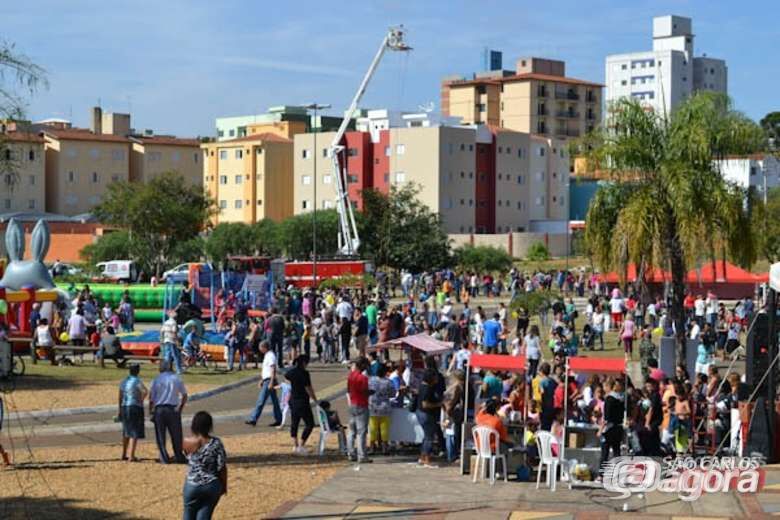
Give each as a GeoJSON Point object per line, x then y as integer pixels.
{"type": "Point", "coordinates": [404, 426]}
{"type": "Point", "coordinates": [495, 363]}
{"type": "Point", "coordinates": [583, 445]}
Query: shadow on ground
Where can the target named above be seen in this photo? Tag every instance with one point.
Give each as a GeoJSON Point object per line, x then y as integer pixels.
{"type": "Point", "coordinates": [23, 508]}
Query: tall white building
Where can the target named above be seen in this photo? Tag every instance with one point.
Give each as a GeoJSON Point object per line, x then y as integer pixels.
{"type": "Point", "coordinates": [663, 77]}
{"type": "Point", "coordinates": [760, 172]}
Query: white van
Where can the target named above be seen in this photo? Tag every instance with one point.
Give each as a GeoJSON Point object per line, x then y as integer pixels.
{"type": "Point", "coordinates": [119, 270]}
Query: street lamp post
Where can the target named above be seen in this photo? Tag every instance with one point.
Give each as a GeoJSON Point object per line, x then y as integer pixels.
{"type": "Point", "coordinates": [315, 107]}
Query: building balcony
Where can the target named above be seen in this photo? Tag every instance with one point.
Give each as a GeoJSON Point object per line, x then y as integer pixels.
{"type": "Point", "coordinates": [542, 112]}
{"type": "Point", "coordinates": [567, 132]}
{"type": "Point", "coordinates": [591, 98]}
{"type": "Point", "coordinates": [569, 114]}
{"type": "Point", "coordinates": [566, 94]}
{"type": "Point", "coordinates": [541, 92]}
{"type": "Point", "coordinates": [590, 116]}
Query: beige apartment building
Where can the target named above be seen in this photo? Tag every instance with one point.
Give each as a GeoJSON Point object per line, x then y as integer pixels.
{"type": "Point", "coordinates": [536, 98]}
{"type": "Point", "coordinates": [250, 178]}
{"type": "Point", "coordinates": [155, 154]}
{"type": "Point", "coordinates": [22, 173]}
{"type": "Point", "coordinates": [80, 165]}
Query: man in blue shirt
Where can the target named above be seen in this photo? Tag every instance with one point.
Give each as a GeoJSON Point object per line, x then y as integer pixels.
{"type": "Point", "coordinates": [491, 330]}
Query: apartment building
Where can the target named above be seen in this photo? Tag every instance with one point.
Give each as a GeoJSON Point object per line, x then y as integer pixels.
{"type": "Point", "coordinates": [759, 172]}
{"type": "Point", "coordinates": [289, 119]}
{"type": "Point", "coordinates": [669, 73]}
{"type": "Point", "coordinates": [250, 178]}
{"type": "Point", "coordinates": [80, 165]}
{"type": "Point", "coordinates": [535, 98]}
{"type": "Point", "coordinates": [22, 173]}
{"type": "Point", "coordinates": [152, 155]}
{"type": "Point", "coordinates": [479, 179]}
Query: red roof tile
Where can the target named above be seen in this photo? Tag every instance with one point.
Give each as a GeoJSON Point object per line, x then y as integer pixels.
{"type": "Point", "coordinates": [165, 140]}
{"type": "Point", "coordinates": [266, 136]}
{"type": "Point", "coordinates": [524, 77]}
{"type": "Point", "coordinates": [82, 134]}
{"type": "Point", "coordinates": [21, 137]}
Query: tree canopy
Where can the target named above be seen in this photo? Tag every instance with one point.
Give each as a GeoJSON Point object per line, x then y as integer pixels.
{"type": "Point", "coordinates": [483, 259]}
{"type": "Point", "coordinates": [160, 216]}
{"type": "Point", "coordinates": [671, 205]}
{"type": "Point", "coordinates": [771, 125]}
{"type": "Point", "coordinates": [400, 232]}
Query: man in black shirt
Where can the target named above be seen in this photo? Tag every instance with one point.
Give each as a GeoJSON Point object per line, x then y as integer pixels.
{"type": "Point", "coordinates": [649, 437]}
{"type": "Point", "coordinates": [300, 410]}
{"type": "Point", "coordinates": [276, 324]}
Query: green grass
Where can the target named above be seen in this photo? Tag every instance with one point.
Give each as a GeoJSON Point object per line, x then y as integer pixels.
{"type": "Point", "coordinates": [92, 373]}
{"type": "Point", "coordinates": [553, 264]}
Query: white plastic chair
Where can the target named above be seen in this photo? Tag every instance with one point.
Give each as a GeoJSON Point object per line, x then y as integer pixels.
{"type": "Point", "coordinates": [544, 441]}
{"type": "Point", "coordinates": [484, 438]}
{"type": "Point", "coordinates": [325, 430]}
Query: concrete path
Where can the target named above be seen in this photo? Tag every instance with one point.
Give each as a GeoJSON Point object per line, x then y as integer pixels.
{"type": "Point", "coordinates": [389, 488]}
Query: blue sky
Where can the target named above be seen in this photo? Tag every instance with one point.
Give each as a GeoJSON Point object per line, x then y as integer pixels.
{"type": "Point", "coordinates": [179, 64]}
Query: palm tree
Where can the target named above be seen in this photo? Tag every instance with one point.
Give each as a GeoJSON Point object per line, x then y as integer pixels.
{"type": "Point", "coordinates": [670, 206]}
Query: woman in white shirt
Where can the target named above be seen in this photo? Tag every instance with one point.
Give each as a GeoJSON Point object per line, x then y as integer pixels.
{"type": "Point", "coordinates": [43, 339]}
{"type": "Point", "coordinates": [597, 322]}
{"type": "Point", "coordinates": [533, 350]}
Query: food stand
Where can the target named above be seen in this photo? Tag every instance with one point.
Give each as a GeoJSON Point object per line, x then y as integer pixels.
{"type": "Point", "coordinates": [493, 362]}
{"type": "Point", "coordinates": [404, 426]}
{"type": "Point", "coordinates": [590, 450]}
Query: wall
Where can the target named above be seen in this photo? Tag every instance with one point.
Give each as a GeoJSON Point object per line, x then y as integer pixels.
{"type": "Point", "coordinates": [512, 168]}
{"type": "Point", "coordinates": [519, 107]}
{"type": "Point", "coordinates": [517, 244]}
{"type": "Point", "coordinates": [148, 160]}
{"type": "Point", "coordinates": [67, 239]}
{"type": "Point", "coordinates": [109, 160]}
{"type": "Point", "coordinates": [278, 185]}
{"type": "Point", "coordinates": [29, 190]}
{"type": "Point", "coordinates": [463, 103]}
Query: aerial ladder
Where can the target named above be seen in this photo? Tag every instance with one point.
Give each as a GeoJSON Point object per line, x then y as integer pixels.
{"type": "Point", "coordinates": [349, 241]}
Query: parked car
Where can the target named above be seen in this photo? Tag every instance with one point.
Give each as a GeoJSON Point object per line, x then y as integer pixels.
{"type": "Point", "coordinates": [181, 273]}
{"type": "Point", "coordinates": [63, 269]}
{"type": "Point", "coordinates": [119, 270]}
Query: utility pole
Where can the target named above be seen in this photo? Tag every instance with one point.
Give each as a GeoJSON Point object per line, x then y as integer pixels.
{"type": "Point", "coordinates": [315, 107]}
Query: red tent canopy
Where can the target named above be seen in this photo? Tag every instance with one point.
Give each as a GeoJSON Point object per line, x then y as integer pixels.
{"type": "Point", "coordinates": [598, 365]}
{"type": "Point", "coordinates": [656, 275]}
{"type": "Point", "coordinates": [725, 272]}
{"type": "Point", "coordinates": [421, 342]}
{"type": "Point", "coordinates": [500, 362]}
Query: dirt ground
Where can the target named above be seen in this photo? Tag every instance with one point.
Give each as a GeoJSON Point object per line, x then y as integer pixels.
{"type": "Point", "coordinates": [45, 387]}
{"type": "Point", "coordinates": [89, 482]}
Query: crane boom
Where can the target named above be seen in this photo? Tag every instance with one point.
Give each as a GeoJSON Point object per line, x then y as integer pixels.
{"type": "Point", "coordinates": [349, 241]}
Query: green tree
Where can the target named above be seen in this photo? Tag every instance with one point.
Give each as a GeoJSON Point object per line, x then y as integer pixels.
{"type": "Point", "coordinates": [110, 246]}
{"type": "Point", "coordinates": [229, 238]}
{"type": "Point", "coordinates": [771, 125]}
{"type": "Point", "coordinates": [399, 231]}
{"type": "Point", "coordinates": [16, 71]}
{"type": "Point", "coordinates": [265, 237]}
{"type": "Point", "coordinates": [483, 259]}
{"type": "Point", "coordinates": [537, 252]}
{"type": "Point", "coordinates": [159, 217]}
{"type": "Point", "coordinates": [766, 224]}
{"type": "Point", "coordinates": [671, 205]}
{"type": "Point", "coordinates": [295, 235]}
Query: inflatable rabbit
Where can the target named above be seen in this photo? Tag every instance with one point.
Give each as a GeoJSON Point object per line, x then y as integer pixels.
{"type": "Point", "coordinates": [21, 273]}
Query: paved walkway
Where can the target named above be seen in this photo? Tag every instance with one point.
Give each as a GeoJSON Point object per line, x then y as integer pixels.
{"type": "Point", "coordinates": [401, 490]}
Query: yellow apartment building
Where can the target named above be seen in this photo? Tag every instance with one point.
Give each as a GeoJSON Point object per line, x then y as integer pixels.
{"type": "Point", "coordinates": [80, 165]}
{"type": "Point", "coordinates": [286, 129]}
{"type": "Point", "coordinates": [536, 98]}
{"type": "Point", "coordinates": [22, 172]}
{"type": "Point", "coordinates": [250, 178]}
{"type": "Point", "coordinates": [155, 154]}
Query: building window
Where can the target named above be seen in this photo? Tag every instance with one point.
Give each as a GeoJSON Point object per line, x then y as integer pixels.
{"type": "Point", "coordinates": [7, 203]}
{"type": "Point", "coordinates": [462, 202]}
{"type": "Point", "coordinates": [389, 152]}
{"type": "Point", "coordinates": [352, 152]}
{"type": "Point", "coordinates": [481, 107]}
{"type": "Point", "coordinates": [239, 179]}
{"type": "Point", "coordinates": [195, 157]}
{"type": "Point", "coordinates": [508, 150]}
{"type": "Point", "coordinates": [325, 152]}
{"type": "Point", "coordinates": [624, 67]}
{"type": "Point", "coordinates": [500, 149]}
{"type": "Point", "coordinates": [471, 148]}
{"type": "Point", "coordinates": [304, 204]}
{"type": "Point", "coordinates": [541, 152]}
{"type": "Point", "coordinates": [306, 180]}
{"type": "Point", "coordinates": [239, 154]}
{"type": "Point", "coordinates": [222, 204]}
{"type": "Point", "coordinates": [238, 204]}
{"type": "Point", "coordinates": [117, 155]}
{"type": "Point", "coordinates": [94, 153]}
{"type": "Point", "coordinates": [258, 151]}
{"type": "Point", "coordinates": [232, 132]}
{"type": "Point", "coordinates": [223, 179]}
{"type": "Point", "coordinates": [71, 152]}
{"type": "Point", "coordinates": [71, 177]}
{"type": "Point", "coordinates": [400, 149]}
{"type": "Point", "coordinates": [462, 147]}
{"type": "Point", "coordinates": [471, 202]}
{"type": "Point", "coordinates": [32, 180]}
{"type": "Point", "coordinates": [520, 152]}
{"type": "Point", "coordinates": [327, 179]}
{"type": "Point", "coordinates": [352, 179]}
{"type": "Point", "coordinates": [94, 177]}
{"type": "Point", "coordinates": [31, 155]}
{"type": "Point", "coordinates": [519, 205]}
{"type": "Point", "coordinates": [471, 175]}
{"type": "Point", "coordinates": [31, 204]}
{"type": "Point", "coordinates": [222, 155]}
{"type": "Point", "coordinates": [259, 202]}
{"type": "Point", "coordinates": [499, 203]}
{"type": "Point", "coordinates": [400, 177]}
{"type": "Point", "coordinates": [519, 179]}
{"type": "Point", "coordinates": [220, 133]}
{"type": "Point", "coordinates": [305, 153]}
{"type": "Point", "coordinates": [499, 176]}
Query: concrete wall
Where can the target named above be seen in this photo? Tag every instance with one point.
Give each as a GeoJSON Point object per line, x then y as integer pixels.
{"type": "Point", "coordinates": [29, 190]}
{"type": "Point", "coordinates": [517, 244]}
{"type": "Point", "coordinates": [67, 239]}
